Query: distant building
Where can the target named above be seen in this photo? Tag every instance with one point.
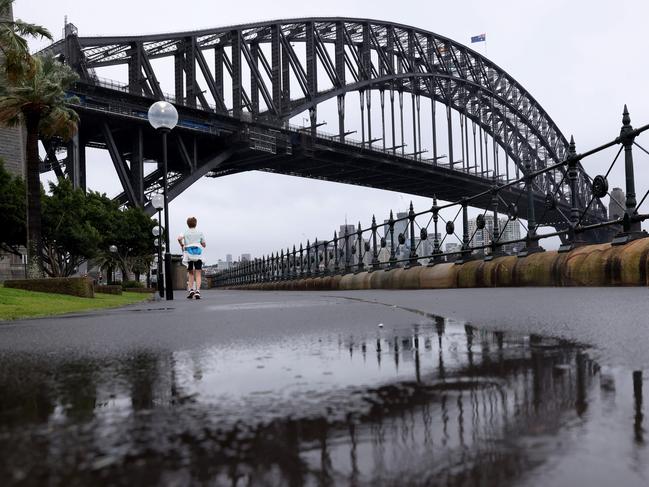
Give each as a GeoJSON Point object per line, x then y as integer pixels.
{"type": "Point", "coordinates": [452, 247]}
{"type": "Point", "coordinates": [245, 258]}
{"type": "Point", "coordinates": [508, 229]}
{"type": "Point", "coordinates": [228, 258]}
{"type": "Point", "coordinates": [617, 204]}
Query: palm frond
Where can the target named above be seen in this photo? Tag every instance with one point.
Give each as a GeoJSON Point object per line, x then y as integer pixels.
{"type": "Point", "coordinates": [25, 29]}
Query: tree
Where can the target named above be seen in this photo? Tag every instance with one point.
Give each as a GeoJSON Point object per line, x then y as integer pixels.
{"type": "Point", "coordinates": [127, 229]}
{"type": "Point", "coordinates": [39, 100]}
{"type": "Point", "coordinates": [69, 237]}
{"type": "Point", "coordinates": [12, 212]}
{"type": "Point", "coordinates": [13, 45]}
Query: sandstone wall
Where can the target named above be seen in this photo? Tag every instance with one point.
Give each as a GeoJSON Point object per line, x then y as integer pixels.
{"type": "Point", "coordinates": [591, 265]}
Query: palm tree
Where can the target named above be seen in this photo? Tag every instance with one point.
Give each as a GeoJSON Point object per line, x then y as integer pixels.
{"type": "Point", "coordinates": [13, 44]}
{"type": "Point", "coordinates": [39, 101]}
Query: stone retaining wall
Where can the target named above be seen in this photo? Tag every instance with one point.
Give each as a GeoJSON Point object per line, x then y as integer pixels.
{"type": "Point", "coordinates": [590, 265]}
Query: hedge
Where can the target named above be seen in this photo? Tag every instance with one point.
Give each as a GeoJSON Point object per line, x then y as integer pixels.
{"type": "Point", "coordinates": [141, 290]}
{"type": "Point", "coordinates": [74, 286]}
{"type": "Point", "coordinates": [108, 289]}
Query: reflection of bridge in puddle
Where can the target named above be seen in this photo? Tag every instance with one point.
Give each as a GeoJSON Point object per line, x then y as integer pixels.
{"type": "Point", "coordinates": [436, 403]}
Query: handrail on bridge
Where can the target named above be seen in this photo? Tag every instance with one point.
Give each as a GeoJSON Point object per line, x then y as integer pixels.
{"type": "Point", "coordinates": [351, 251]}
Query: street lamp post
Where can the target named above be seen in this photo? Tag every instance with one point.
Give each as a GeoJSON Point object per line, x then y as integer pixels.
{"type": "Point", "coordinates": [113, 250]}
{"type": "Point", "coordinates": [163, 117]}
{"type": "Point", "coordinates": [157, 201]}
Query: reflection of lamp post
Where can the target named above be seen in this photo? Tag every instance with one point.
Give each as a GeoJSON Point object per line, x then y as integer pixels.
{"type": "Point", "coordinates": [113, 250]}
{"type": "Point", "coordinates": [163, 117]}
{"type": "Point", "coordinates": [157, 200]}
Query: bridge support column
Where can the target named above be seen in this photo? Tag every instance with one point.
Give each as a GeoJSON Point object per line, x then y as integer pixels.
{"type": "Point", "coordinates": [341, 117]}
{"type": "Point", "coordinates": [382, 98]}
{"type": "Point", "coordinates": [76, 162]}
{"type": "Point", "coordinates": [361, 96]}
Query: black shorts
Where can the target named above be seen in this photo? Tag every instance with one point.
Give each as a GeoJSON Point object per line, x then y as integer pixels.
{"type": "Point", "coordinates": [195, 264]}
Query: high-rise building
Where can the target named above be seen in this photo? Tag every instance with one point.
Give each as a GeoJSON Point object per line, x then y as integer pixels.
{"type": "Point", "coordinates": [452, 247]}
{"type": "Point", "coordinates": [508, 230]}
{"type": "Point", "coordinates": [245, 258]}
{"type": "Point", "coordinates": [346, 245]}
{"type": "Point", "coordinates": [617, 204]}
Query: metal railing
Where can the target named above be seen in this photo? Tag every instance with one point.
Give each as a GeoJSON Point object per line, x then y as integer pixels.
{"type": "Point", "coordinates": [399, 241]}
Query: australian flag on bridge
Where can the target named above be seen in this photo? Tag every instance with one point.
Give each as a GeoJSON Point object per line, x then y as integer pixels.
{"type": "Point", "coordinates": [479, 38]}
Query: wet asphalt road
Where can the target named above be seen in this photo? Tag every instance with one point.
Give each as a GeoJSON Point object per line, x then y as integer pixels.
{"type": "Point", "coordinates": [614, 321]}
{"type": "Point", "coordinates": [456, 388]}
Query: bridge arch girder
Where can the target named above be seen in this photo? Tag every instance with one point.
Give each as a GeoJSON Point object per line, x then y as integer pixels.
{"type": "Point", "coordinates": [470, 108]}
{"type": "Point", "coordinates": [351, 54]}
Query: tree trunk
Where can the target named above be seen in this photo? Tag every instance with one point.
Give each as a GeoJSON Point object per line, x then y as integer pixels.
{"type": "Point", "coordinates": [34, 240]}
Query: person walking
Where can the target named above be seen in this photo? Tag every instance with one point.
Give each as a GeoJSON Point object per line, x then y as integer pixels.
{"type": "Point", "coordinates": [192, 243]}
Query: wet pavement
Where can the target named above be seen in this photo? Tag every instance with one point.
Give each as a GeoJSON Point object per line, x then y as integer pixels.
{"type": "Point", "coordinates": [462, 387]}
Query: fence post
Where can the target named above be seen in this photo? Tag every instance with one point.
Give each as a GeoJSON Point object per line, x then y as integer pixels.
{"type": "Point", "coordinates": [375, 253]}
{"type": "Point", "coordinates": [413, 258]}
{"type": "Point", "coordinates": [632, 230]}
{"type": "Point", "coordinates": [336, 254]}
{"type": "Point", "coordinates": [301, 273]}
{"type": "Point", "coordinates": [347, 251]}
{"type": "Point", "coordinates": [436, 243]}
{"type": "Point", "coordinates": [308, 259]}
{"type": "Point", "coordinates": [531, 242]}
{"type": "Point", "coordinates": [574, 238]}
{"type": "Point", "coordinates": [359, 238]}
{"type": "Point", "coordinates": [326, 257]}
{"type": "Point", "coordinates": [495, 237]}
{"type": "Point", "coordinates": [466, 247]}
{"type": "Point", "coordinates": [393, 257]}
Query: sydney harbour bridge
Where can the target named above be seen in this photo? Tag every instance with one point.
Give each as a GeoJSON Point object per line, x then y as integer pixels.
{"type": "Point", "coordinates": [239, 90]}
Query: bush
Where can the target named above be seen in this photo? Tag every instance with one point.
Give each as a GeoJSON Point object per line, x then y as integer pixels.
{"type": "Point", "coordinates": [142, 290]}
{"type": "Point", "coordinates": [132, 285]}
{"type": "Point", "coordinates": [110, 289]}
{"type": "Point", "coordinates": [74, 286]}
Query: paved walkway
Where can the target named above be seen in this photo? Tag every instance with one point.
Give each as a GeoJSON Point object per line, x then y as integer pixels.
{"type": "Point", "coordinates": [615, 321]}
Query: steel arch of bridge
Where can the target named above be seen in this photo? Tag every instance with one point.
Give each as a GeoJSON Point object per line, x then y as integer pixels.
{"type": "Point", "coordinates": [350, 55]}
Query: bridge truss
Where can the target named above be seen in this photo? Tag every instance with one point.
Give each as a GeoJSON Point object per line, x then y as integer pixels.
{"type": "Point", "coordinates": [237, 89]}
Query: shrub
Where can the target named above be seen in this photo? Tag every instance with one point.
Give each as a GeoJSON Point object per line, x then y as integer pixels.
{"type": "Point", "coordinates": [109, 289]}
{"type": "Point", "coordinates": [74, 286]}
{"type": "Point", "coordinates": [142, 290]}
{"type": "Point", "coordinates": [132, 285]}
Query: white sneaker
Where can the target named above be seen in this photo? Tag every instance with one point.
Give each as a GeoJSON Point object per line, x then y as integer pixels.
{"type": "Point", "coordinates": [191, 294]}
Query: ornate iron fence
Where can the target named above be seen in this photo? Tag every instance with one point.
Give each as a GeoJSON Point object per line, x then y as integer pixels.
{"type": "Point", "coordinates": [396, 242]}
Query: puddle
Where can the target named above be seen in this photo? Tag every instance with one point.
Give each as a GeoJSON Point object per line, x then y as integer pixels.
{"type": "Point", "coordinates": [439, 402]}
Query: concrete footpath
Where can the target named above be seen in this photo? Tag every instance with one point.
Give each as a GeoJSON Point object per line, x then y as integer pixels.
{"type": "Point", "coordinates": [614, 321]}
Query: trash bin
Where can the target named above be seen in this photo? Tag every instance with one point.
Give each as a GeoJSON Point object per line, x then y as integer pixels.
{"type": "Point", "coordinates": [178, 272]}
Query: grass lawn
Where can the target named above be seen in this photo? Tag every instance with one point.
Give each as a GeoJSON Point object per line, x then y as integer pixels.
{"type": "Point", "coordinates": [16, 303]}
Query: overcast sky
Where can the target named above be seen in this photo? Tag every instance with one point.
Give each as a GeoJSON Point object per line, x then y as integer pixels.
{"type": "Point", "coordinates": [582, 60]}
